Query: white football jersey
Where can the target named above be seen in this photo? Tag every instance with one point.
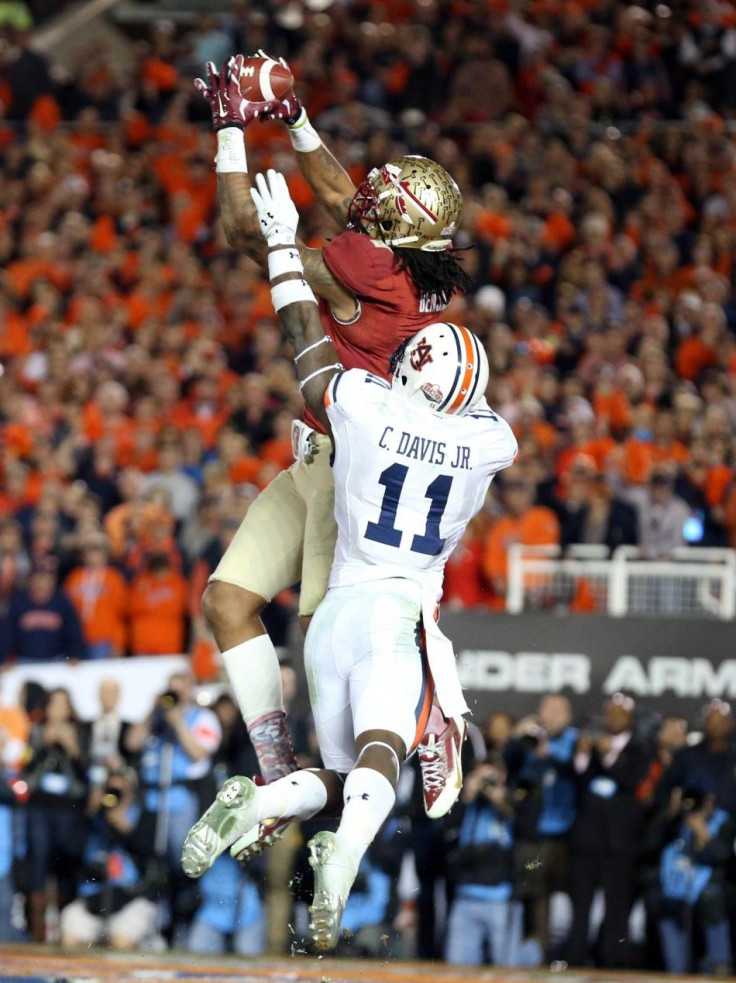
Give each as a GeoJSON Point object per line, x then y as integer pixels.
{"type": "Point", "coordinates": [407, 481]}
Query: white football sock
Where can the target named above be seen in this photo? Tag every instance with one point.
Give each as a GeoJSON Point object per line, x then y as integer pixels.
{"type": "Point", "coordinates": [301, 794]}
{"type": "Point", "coordinates": [255, 677]}
{"type": "Point", "coordinates": [368, 798]}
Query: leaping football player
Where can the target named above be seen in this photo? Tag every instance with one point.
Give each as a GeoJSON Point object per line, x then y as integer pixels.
{"type": "Point", "coordinates": [413, 459]}
{"type": "Point", "coordinates": [389, 272]}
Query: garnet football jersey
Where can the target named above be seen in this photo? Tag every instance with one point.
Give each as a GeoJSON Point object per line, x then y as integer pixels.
{"type": "Point", "coordinates": [391, 308]}
{"type": "Point", "coordinates": [407, 481]}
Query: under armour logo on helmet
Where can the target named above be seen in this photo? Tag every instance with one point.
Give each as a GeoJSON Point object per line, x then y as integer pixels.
{"type": "Point", "coordinates": [421, 355]}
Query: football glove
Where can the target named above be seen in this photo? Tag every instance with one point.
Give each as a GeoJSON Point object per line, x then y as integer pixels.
{"type": "Point", "coordinates": [221, 91]}
{"type": "Point", "coordinates": [277, 213]}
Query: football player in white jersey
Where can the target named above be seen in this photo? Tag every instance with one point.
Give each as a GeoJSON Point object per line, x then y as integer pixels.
{"type": "Point", "coordinates": [413, 460]}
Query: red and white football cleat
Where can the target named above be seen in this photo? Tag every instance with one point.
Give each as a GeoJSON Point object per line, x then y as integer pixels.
{"type": "Point", "coordinates": [440, 762]}
{"type": "Point", "coordinates": [259, 838]}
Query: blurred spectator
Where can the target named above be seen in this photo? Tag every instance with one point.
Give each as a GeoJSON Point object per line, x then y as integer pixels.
{"type": "Point", "coordinates": [671, 738]}
{"type": "Point", "coordinates": [695, 838]}
{"type": "Point", "coordinates": [15, 564]}
{"type": "Point", "coordinates": [525, 523]}
{"type": "Point", "coordinates": [170, 475]}
{"type": "Point", "coordinates": [177, 743]}
{"type": "Point", "coordinates": [56, 776]}
{"type": "Point", "coordinates": [14, 731]}
{"type": "Point", "coordinates": [710, 764]}
{"type": "Point", "coordinates": [157, 607]}
{"type": "Point", "coordinates": [41, 624]}
{"type": "Point", "coordinates": [107, 733]}
{"type": "Point", "coordinates": [590, 512]}
{"type": "Point", "coordinates": [662, 514]}
{"type": "Point", "coordinates": [112, 906]}
{"type": "Point", "coordinates": [235, 755]}
{"type": "Point", "coordinates": [497, 730]}
{"type": "Point", "coordinates": [99, 593]}
{"type": "Point", "coordinates": [481, 925]}
{"type": "Point", "coordinates": [605, 839]}
{"type": "Point", "coordinates": [542, 780]}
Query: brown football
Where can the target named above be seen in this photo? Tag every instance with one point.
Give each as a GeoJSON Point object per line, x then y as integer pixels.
{"type": "Point", "coordinates": [264, 80]}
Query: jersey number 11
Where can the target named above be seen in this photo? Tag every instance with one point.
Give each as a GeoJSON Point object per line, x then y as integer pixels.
{"type": "Point", "coordinates": [385, 531]}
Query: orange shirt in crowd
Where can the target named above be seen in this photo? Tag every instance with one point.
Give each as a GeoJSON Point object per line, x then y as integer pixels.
{"type": "Point", "coordinates": [693, 356]}
{"type": "Point", "coordinates": [714, 483]}
{"type": "Point", "coordinates": [15, 728]}
{"type": "Point", "coordinates": [614, 407]}
{"type": "Point", "coordinates": [279, 451]}
{"type": "Point", "coordinates": [538, 526]}
{"type": "Point", "coordinates": [15, 338]}
{"type": "Point", "coordinates": [640, 455]}
{"type": "Point", "coordinates": [600, 449]}
{"type": "Point", "coordinates": [100, 595]}
{"type": "Point", "coordinates": [158, 604]}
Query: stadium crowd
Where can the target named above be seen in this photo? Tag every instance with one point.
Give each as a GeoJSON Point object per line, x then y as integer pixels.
{"type": "Point", "coordinates": [93, 814]}
{"type": "Point", "coordinates": [146, 393]}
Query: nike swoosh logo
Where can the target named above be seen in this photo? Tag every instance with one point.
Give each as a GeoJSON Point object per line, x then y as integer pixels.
{"type": "Point", "coordinates": [222, 110]}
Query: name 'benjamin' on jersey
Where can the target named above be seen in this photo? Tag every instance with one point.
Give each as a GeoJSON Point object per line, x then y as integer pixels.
{"type": "Point", "coordinates": [425, 449]}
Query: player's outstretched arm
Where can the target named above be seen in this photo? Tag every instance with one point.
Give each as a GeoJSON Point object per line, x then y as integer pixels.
{"type": "Point", "coordinates": [316, 357]}
{"type": "Point", "coordinates": [328, 179]}
{"type": "Point", "coordinates": [230, 114]}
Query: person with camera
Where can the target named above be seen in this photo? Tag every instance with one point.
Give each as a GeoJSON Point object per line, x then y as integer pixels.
{"type": "Point", "coordinates": [606, 837]}
{"type": "Point", "coordinates": [483, 924]}
{"type": "Point", "coordinates": [56, 778]}
{"type": "Point", "coordinates": [112, 904]}
{"type": "Point", "coordinates": [711, 762]}
{"type": "Point", "coordinates": [177, 743]}
{"type": "Point", "coordinates": [695, 839]}
{"type": "Point", "coordinates": [542, 776]}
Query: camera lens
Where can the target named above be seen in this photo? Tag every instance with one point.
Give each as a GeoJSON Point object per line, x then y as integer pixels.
{"type": "Point", "coordinates": [110, 798]}
{"type": "Point", "coordinates": [168, 699]}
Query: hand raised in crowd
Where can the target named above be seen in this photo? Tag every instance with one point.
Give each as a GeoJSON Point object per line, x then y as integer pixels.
{"type": "Point", "coordinates": [697, 823]}
{"type": "Point", "coordinates": [63, 734]}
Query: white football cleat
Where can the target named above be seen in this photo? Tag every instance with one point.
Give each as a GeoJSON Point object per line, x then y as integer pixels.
{"type": "Point", "coordinates": [231, 814]}
{"type": "Point", "coordinates": [334, 875]}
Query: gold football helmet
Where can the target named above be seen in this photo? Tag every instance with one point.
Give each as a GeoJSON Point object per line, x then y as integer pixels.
{"type": "Point", "coordinates": [411, 202]}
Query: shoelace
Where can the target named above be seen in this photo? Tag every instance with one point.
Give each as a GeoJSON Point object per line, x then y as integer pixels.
{"type": "Point", "coordinates": [433, 762]}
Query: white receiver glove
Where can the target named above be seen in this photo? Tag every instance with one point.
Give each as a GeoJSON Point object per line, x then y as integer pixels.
{"type": "Point", "coordinates": [277, 213]}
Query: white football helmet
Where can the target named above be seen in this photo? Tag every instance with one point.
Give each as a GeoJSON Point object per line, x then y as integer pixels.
{"type": "Point", "coordinates": [411, 202]}
{"type": "Point", "coordinates": [443, 368]}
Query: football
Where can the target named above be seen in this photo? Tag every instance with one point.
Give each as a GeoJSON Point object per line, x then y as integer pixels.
{"type": "Point", "coordinates": [264, 80]}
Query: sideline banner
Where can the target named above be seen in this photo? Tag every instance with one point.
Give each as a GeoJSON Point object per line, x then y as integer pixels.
{"type": "Point", "coordinates": [669, 665]}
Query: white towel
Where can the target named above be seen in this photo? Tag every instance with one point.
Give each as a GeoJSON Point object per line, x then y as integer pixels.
{"type": "Point", "coordinates": [441, 658]}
